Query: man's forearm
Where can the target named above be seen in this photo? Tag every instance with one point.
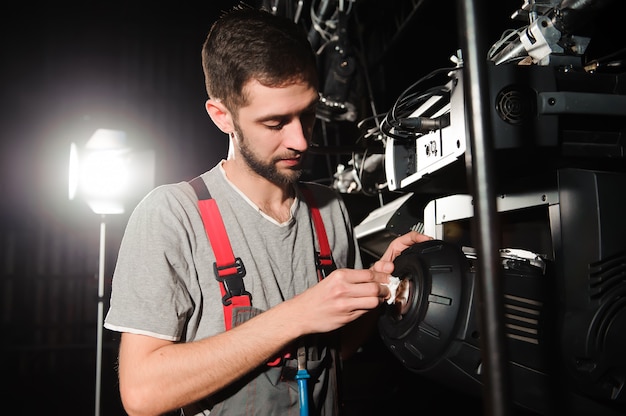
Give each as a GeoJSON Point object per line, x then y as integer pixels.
{"type": "Point", "coordinates": [176, 374]}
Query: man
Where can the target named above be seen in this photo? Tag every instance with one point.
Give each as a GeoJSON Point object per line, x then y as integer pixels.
{"type": "Point", "coordinates": [176, 351]}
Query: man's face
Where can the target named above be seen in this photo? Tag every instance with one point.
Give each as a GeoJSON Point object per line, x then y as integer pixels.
{"type": "Point", "coordinates": [273, 131]}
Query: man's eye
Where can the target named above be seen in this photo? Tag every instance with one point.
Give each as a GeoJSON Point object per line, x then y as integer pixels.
{"type": "Point", "coordinates": [275, 126]}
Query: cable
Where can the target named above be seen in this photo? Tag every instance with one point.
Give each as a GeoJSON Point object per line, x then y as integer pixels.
{"type": "Point", "coordinates": [506, 38]}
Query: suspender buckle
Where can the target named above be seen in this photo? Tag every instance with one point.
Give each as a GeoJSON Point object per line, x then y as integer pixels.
{"type": "Point", "coordinates": [231, 277]}
{"type": "Point", "coordinates": [325, 265]}
{"type": "Point", "coordinates": [278, 361]}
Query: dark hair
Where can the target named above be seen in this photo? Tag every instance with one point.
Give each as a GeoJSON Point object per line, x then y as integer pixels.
{"type": "Point", "coordinates": [247, 43]}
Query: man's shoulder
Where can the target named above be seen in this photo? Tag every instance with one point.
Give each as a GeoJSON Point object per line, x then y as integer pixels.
{"type": "Point", "coordinates": [323, 195]}
{"type": "Point", "coordinates": [167, 197]}
{"type": "Point", "coordinates": [318, 188]}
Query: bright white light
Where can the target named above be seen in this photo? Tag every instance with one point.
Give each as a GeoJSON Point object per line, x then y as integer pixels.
{"type": "Point", "coordinates": [101, 172]}
{"type": "Point", "coordinates": [106, 173]}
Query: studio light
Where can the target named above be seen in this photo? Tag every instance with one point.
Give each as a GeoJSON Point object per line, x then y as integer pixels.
{"type": "Point", "coordinates": [107, 174]}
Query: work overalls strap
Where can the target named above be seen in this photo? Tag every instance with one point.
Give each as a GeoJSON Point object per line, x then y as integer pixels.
{"type": "Point", "coordinates": [229, 270]}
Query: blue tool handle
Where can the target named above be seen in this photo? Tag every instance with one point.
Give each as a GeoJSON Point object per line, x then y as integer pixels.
{"type": "Point", "coordinates": [302, 376]}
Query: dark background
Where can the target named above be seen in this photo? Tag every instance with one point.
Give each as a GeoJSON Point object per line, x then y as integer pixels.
{"type": "Point", "coordinates": [68, 68]}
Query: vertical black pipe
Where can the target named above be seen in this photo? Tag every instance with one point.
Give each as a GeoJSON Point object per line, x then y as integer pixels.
{"type": "Point", "coordinates": [486, 230]}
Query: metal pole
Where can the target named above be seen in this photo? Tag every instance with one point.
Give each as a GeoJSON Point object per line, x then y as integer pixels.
{"type": "Point", "coordinates": [479, 168]}
{"type": "Point", "coordinates": [100, 315]}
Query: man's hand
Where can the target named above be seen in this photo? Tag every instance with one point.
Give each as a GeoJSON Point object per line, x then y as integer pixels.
{"type": "Point", "coordinates": [347, 294]}
{"type": "Point", "coordinates": [397, 246]}
{"type": "Point", "coordinates": [340, 298]}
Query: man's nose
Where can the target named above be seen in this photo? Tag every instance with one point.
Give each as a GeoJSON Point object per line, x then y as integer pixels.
{"type": "Point", "coordinates": [297, 136]}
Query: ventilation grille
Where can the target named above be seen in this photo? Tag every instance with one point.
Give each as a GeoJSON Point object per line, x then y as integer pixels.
{"type": "Point", "coordinates": [607, 287]}
{"type": "Point", "coordinates": [522, 317]}
{"type": "Point", "coordinates": [516, 105]}
{"type": "Point", "coordinates": [607, 276]}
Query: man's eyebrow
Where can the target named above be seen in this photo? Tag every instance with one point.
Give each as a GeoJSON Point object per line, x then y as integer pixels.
{"type": "Point", "coordinates": [271, 117]}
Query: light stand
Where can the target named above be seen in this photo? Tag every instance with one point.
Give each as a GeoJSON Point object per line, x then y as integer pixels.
{"type": "Point", "coordinates": [100, 322]}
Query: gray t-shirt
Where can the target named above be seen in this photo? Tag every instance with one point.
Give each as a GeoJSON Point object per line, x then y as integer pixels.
{"type": "Point", "coordinates": [164, 283]}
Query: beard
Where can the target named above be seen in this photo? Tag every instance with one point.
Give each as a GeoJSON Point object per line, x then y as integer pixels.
{"type": "Point", "coordinates": [267, 170]}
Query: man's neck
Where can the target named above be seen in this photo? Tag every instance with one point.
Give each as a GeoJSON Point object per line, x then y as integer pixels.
{"type": "Point", "coordinates": [271, 199]}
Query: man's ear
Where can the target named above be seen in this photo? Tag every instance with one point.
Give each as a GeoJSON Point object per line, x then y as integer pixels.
{"type": "Point", "coordinates": [220, 115]}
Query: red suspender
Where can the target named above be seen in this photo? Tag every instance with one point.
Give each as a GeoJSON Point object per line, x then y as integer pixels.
{"type": "Point", "coordinates": [324, 259]}
{"type": "Point", "coordinates": [229, 271]}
